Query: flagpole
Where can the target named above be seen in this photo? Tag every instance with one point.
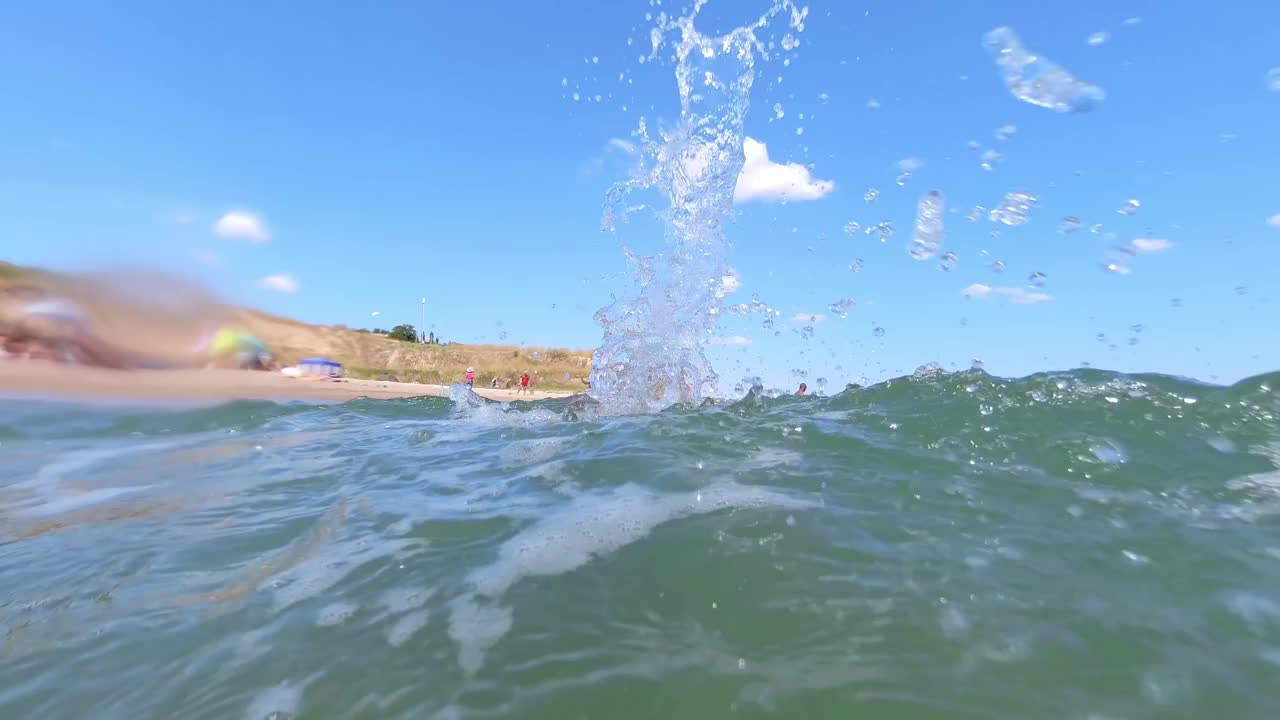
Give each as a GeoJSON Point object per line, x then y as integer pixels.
{"type": "Point", "coordinates": [422, 333]}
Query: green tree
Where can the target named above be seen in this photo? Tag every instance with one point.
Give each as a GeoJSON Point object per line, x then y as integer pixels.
{"type": "Point", "coordinates": [403, 332]}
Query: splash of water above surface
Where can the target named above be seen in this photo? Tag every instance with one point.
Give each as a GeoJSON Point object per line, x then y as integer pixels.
{"type": "Point", "coordinates": [652, 354]}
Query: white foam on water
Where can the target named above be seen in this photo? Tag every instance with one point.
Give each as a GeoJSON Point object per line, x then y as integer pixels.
{"type": "Point", "coordinates": [532, 451]}
{"type": "Point", "coordinates": [476, 629]}
{"type": "Point", "coordinates": [320, 572]}
{"type": "Point", "coordinates": [404, 599]}
{"type": "Point", "coordinates": [407, 626]}
{"type": "Point", "coordinates": [1259, 611]}
{"type": "Point", "coordinates": [588, 526]}
{"type": "Point", "coordinates": [281, 701]}
{"type": "Point", "coordinates": [336, 613]}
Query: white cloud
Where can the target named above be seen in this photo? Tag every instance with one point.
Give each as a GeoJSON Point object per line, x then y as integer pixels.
{"type": "Point", "coordinates": [1016, 295]}
{"type": "Point", "coordinates": [763, 179]}
{"type": "Point", "coordinates": [1147, 246]}
{"type": "Point", "coordinates": [375, 313]}
{"type": "Point", "coordinates": [730, 340]}
{"type": "Point", "coordinates": [279, 283]}
{"type": "Point", "coordinates": [1274, 220]}
{"type": "Point", "coordinates": [242, 226]}
{"type": "Point", "coordinates": [809, 318]}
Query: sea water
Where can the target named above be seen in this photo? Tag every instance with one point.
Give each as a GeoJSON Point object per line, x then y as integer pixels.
{"type": "Point", "coordinates": [1073, 545]}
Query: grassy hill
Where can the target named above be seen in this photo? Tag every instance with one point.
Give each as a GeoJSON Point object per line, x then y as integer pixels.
{"type": "Point", "coordinates": [164, 315]}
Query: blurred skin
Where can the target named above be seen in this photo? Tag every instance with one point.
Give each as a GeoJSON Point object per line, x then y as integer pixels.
{"type": "Point", "coordinates": [131, 318]}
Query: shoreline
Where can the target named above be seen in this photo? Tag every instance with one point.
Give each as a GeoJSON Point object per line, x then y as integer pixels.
{"type": "Point", "coordinates": [43, 381]}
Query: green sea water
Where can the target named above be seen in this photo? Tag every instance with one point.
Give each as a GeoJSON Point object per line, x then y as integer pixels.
{"type": "Point", "coordinates": [1081, 545]}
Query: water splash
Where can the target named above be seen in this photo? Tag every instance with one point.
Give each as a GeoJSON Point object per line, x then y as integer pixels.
{"type": "Point", "coordinates": [1014, 209]}
{"type": "Point", "coordinates": [652, 354]}
{"type": "Point", "coordinates": [1037, 80]}
{"type": "Point", "coordinates": [927, 235]}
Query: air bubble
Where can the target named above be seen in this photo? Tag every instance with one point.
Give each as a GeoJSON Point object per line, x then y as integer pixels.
{"type": "Point", "coordinates": [949, 261]}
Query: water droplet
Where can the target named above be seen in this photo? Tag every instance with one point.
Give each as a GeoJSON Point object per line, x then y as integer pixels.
{"type": "Point", "coordinates": [806, 332]}
{"type": "Point", "coordinates": [990, 159]}
{"type": "Point", "coordinates": [842, 307]}
{"type": "Point", "coordinates": [537, 356]}
{"type": "Point", "coordinates": [799, 131]}
{"type": "Point", "coordinates": [885, 229]}
{"type": "Point", "coordinates": [997, 266]}
{"type": "Point", "coordinates": [1242, 290]}
{"type": "Point", "coordinates": [976, 213]}
{"type": "Point", "coordinates": [778, 111]}
{"type": "Point", "coordinates": [1069, 225]}
{"type": "Point", "coordinates": [742, 664]}
{"type": "Point", "coordinates": [823, 98]}
{"type": "Point", "coordinates": [1036, 279]}
{"type": "Point", "coordinates": [1176, 302]}
{"type": "Point", "coordinates": [790, 42]}
{"type": "Point", "coordinates": [1097, 38]}
{"type": "Point", "coordinates": [871, 195]}
{"type": "Point", "coordinates": [927, 236]}
{"type": "Point", "coordinates": [502, 335]}
{"type": "Point", "coordinates": [878, 331]}
{"type": "Point", "coordinates": [903, 178]}
{"type": "Point", "coordinates": [986, 409]}
{"type": "Point", "coordinates": [873, 104]}
{"type": "Point", "coordinates": [1014, 208]}
{"type": "Point", "coordinates": [948, 262]}
{"type": "Point", "coordinates": [576, 97]}
{"type": "Point", "coordinates": [852, 228]}
{"type": "Point", "coordinates": [564, 82]}
{"type": "Point", "coordinates": [856, 265]}
{"type": "Point", "coordinates": [1096, 229]}
{"type": "Point", "coordinates": [1129, 207]}
{"type": "Point", "coordinates": [1033, 78]}
{"type": "Point", "coordinates": [1273, 79]}
{"type": "Point", "coordinates": [1004, 132]}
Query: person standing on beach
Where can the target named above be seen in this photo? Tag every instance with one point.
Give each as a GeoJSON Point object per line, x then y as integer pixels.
{"type": "Point", "coordinates": [471, 378]}
{"type": "Point", "coordinates": [524, 384]}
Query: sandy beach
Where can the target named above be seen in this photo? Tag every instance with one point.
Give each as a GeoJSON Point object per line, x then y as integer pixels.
{"type": "Point", "coordinates": [35, 379]}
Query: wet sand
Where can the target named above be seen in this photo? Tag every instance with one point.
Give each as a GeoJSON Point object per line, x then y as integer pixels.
{"type": "Point", "coordinates": [35, 379]}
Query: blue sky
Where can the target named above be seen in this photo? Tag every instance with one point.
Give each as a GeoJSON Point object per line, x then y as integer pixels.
{"type": "Point", "coordinates": [397, 150]}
